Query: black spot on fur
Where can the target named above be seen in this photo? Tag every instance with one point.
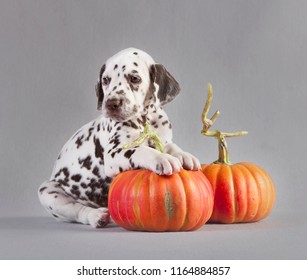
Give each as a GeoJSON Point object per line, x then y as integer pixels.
{"type": "Point", "coordinates": [83, 185]}
{"type": "Point", "coordinates": [142, 120]}
{"type": "Point", "coordinates": [53, 192]}
{"type": "Point", "coordinates": [96, 172]}
{"type": "Point", "coordinates": [79, 141]}
{"type": "Point", "coordinates": [86, 162]}
{"type": "Point", "coordinates": [41, 190]}
{"type": "Point", "coordinates": [135, 53]}
{"type": "Point", "coordinates": [108, 180]}
{"type": "Point", "coordinates": [54, 215]}
{"type": "Point", "coordinates": [131, 163]}
{"type": "Point", "coordinates": [65, 173]}
{"type": "Point", "coordinates": [98, 192]}
{"type": "Point", "coordinates": [130, 124]}
{"type": "Point", "coordinates": [116, 152]}
{"type": "Point", "coordinates": [90, 131]}
{"type": "Point", "coordinates": [124, 67]}
{"type": "Point", "coordinates": [76, 177]}
{"type": "Point", "coordinates": [135, 64]}
{"type": "Point", "coordinates": [75, 191]}
{"type": "Point", "coordinates": [99, 150]}
{"type": "Point", "coordinates": [64, 182]}
{"type": "Point", "coordinates": [115, 66]}
{"type": "Point", "coordinates": [115, 141]}
{"type": "Point", "coordinates": [129, 153]}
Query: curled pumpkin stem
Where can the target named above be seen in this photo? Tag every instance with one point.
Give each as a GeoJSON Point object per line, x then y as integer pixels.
{"type": "Point", "coordinates": [146, 134]}
{"type": "Point", "coordinates": [208, 122]}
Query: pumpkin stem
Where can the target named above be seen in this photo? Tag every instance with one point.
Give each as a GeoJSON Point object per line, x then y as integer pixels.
{"type": "Point", "coordinates": [207, 123]}
{"type": "Point", "coordinates": [146, 134]}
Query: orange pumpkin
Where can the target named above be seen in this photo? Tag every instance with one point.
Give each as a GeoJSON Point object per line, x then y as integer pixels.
{"type": "Point", "coordinates": [243, 192]}
{"type": "Point", "coordinates": [142, 200]}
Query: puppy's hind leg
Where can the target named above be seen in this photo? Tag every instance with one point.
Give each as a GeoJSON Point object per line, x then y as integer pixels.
{"type": "Point", "coordinates": [65, 208]}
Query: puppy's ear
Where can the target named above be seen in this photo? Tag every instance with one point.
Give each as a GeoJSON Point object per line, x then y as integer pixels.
{"type": "Point", "coordinates": [168, 86]}
{"type": "Point", "coordinates": [99, 90]}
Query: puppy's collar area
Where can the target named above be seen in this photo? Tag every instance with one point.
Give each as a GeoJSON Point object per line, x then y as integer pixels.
{"type": "Point", "coordinates": [146, 134]}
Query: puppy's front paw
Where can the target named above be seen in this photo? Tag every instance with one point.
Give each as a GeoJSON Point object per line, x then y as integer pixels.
{"type": "Point", "coordinates": [188, 161]}
{"type": "Point", "coordinates": [165, 164]}
{"type": "Point", "coordinates": [99, 218]}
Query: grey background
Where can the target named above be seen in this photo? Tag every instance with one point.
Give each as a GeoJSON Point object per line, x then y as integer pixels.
{"type": "Point", "coordinates": [254, 54]}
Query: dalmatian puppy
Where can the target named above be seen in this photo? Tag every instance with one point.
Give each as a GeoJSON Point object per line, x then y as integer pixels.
{"type": "Point", "coordinates": [131, 90]}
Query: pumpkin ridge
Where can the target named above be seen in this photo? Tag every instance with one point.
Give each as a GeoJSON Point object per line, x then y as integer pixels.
{"type": "Point", "coordinates": [126, 194]}
{"type": "Point", "coordinates": [215, 170]}
{"type": "Point", "coordinates": [136, 206]}
{"type": "Point", "coordinates": [240, 176]}
{"type": "Point", "coordinates": [260, 198]}
{"type": "Point", "coordinates": [163, 188]}
{"type": "Point", "coordinates": [142, 190]}
{"type": "Point", "coordinates": [233, 187]}
{"type": "Point", "coordinates": [182, 186]}
{"type": "Point", "coordinates": [204, 217]}
{"type": "Point", "coordinates": [268, 182]}
{"type": "Point", "coordinates": [219, 172]}
{"type": "Point", "coordinates": [182, 176]}
{"type": "Point", "coordinates": [117, 201]}
{"type": "Point", "coordinates": [192, 180]}
{"type": "Point", "coordinates": [159, 188]}
{"type": "Point", "coordinates": [264, 178]}
{"type": "Point", "coordinates": [247, 168]}
{"type": "Point", "coordinates": [151, 191]}
{"type": "Point", "coordinates": [185, 177]}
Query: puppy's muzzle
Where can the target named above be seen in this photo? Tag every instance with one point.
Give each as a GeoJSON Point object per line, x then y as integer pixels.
{"type": "Point", "coordinates": [114, 105]}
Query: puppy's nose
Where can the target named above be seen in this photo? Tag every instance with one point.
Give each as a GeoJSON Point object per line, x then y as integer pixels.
{"type": "Point", "coordinates": [114, 104]}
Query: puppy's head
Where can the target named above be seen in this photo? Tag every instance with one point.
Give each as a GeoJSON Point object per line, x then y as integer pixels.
{"type": "Point", "coordinates": [129, 82]}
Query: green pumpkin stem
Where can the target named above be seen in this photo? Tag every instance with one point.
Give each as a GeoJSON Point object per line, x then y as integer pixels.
{"type": "Point", "coordinates": [146, 134]}
{"type": "Point", "coordinates": [221, 136]}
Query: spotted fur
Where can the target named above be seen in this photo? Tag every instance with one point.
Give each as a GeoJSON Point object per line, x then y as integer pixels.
{"type": "Point", "coordinates": [131, 90]}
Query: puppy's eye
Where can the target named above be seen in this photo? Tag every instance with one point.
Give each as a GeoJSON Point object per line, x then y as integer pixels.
{"type": "Point", "coordinates": [135, 79]}
{"type": "Point", "coordinates": [106, 81]}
